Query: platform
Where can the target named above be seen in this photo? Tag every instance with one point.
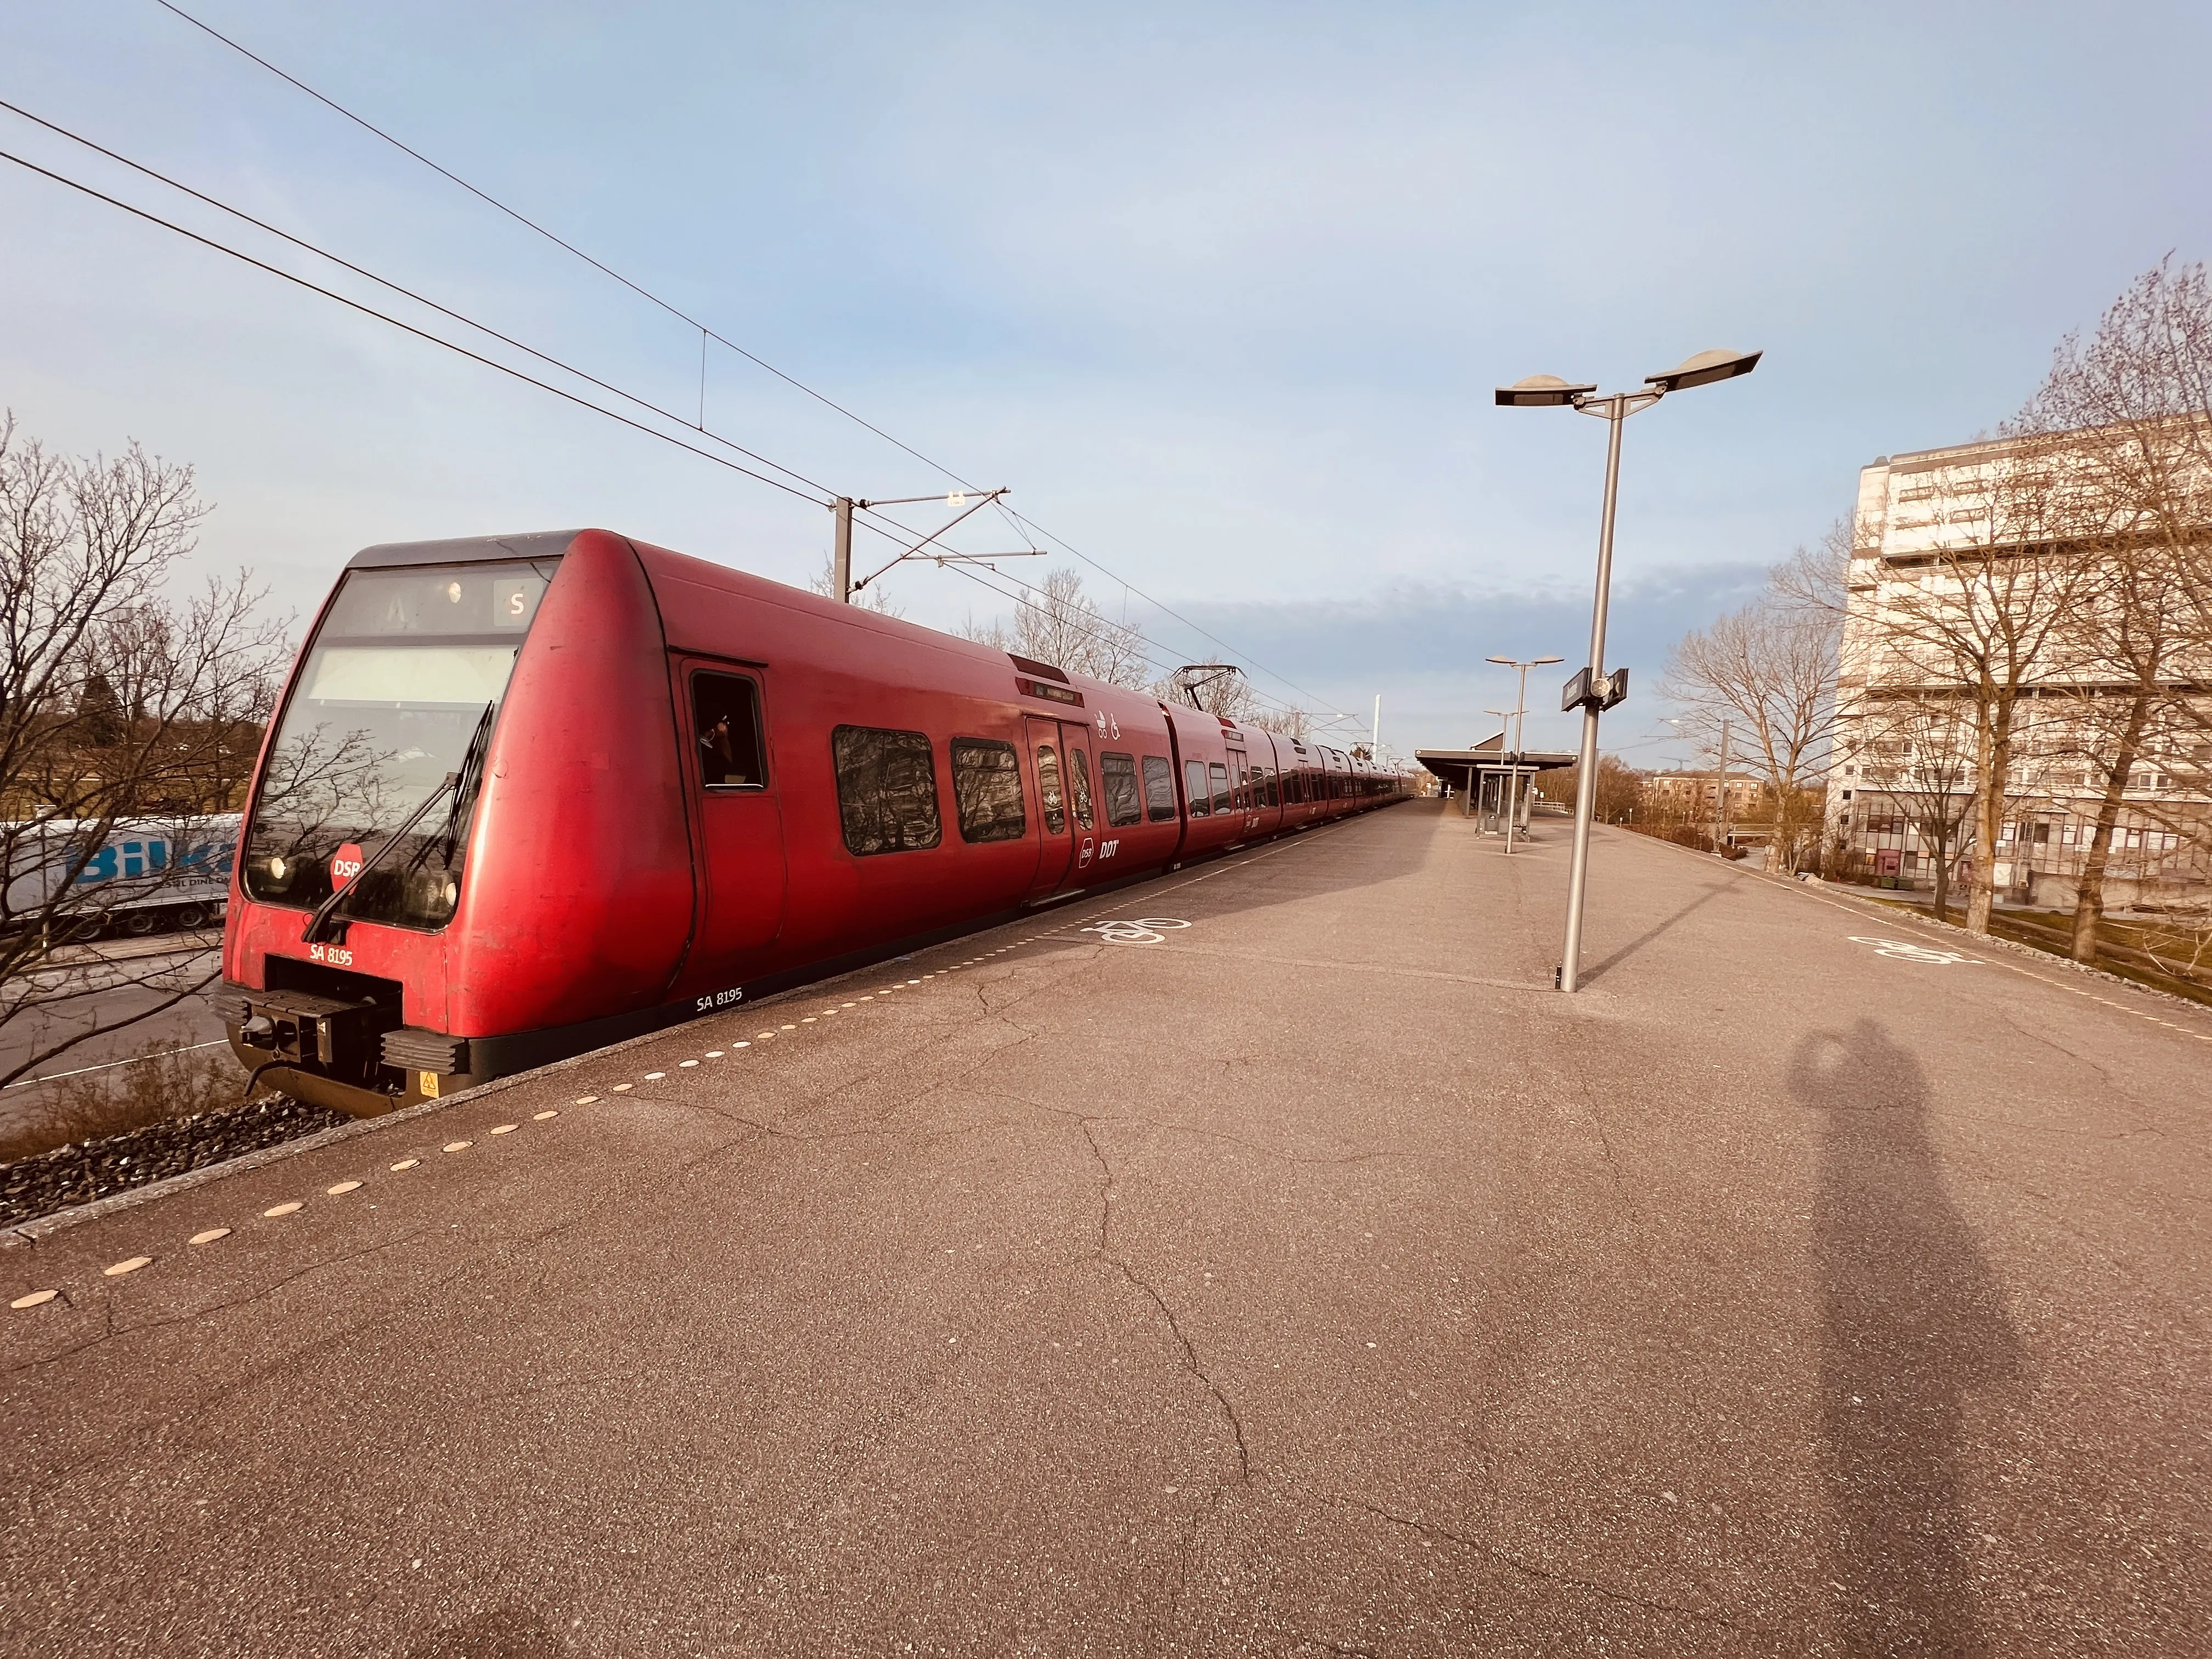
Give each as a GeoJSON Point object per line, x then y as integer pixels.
{"type": "Point", "coordinates": [1261, 1260]}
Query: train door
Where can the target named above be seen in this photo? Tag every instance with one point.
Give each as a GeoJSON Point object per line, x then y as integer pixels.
{"type": "Point", "coordinates": [1243, 786]}
{"type": "Point", "coordinates": [1051, 758]}
{"type": "Point", "coordinates": [740, 838]}
{"type": "Point", "coordinates": [1085, 802]}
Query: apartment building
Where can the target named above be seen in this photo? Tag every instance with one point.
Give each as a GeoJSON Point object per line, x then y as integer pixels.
{"type": "Point", "coordinates": [1901, 783]}
{"type": "Point", "coordinates": [1689, 796]}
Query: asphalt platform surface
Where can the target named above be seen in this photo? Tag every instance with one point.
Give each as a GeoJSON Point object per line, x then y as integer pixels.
{"type": "Point", "coordinates": [1310, 1277]}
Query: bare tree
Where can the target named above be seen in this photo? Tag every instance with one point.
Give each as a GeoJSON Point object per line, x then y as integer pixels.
{"type": "Point", "coordinates": [1058, 623]}
{"type": "Point", "coordinates": [2131, 401]}
{"type": "Point", "coordinates": [1917, 748]}
{"type": "Point", "coordinates": [871, 598]}
{"type": "Point", "coordinates": [1770, 669]}
{"type": "Point", "coordinates": [1621, 788]}
{"type": "Point", "coordinates": [118, 704]}
{"type": "Point", "coordinates": [1982, 609]}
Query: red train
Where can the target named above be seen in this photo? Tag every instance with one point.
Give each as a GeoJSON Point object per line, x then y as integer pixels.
{"type": "Point", "coordinates": [528, 795]}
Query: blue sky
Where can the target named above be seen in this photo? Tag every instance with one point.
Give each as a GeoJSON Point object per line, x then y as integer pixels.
{"type": "Point", "coordinates": [1220, 291]}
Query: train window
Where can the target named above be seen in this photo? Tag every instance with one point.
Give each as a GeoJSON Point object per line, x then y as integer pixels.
{"type": "Point", "coordinates": [1239, 796]}
{"type": "Point", "coordinates": [1193, 788]}
{"type": "Point", "coordinates": [987, 783]}
{"type": "Point", "coordinates": [887, 790]}
{"type": "Point", "coordinates": [1079, 787]}
{"type": "Point", "coordinates": [1055, 817]}
{"type": "Point", "coordinates": [1159, 788]}
{"type": "Point", "coordinates": [1274, 785]}
{"type": "Point", "coordinates": [1117, 782]}
{"type": "Point", "coordinates": [1220, 786]}
{"type": "Point", "coordinates": [725, 715]}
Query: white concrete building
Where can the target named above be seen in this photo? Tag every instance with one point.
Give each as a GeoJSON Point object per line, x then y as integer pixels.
{"type": "Point", "coordinates": [1902, 761]}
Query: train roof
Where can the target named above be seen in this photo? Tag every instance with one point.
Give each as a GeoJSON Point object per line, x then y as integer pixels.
{"type": "Point", "coordinates": [660, 560]}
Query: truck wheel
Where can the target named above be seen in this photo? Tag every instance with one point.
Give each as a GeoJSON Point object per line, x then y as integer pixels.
{"type": "Point", "coordinates": [191, 915]}
{"type": "Point", "coordinates": [139, 923]}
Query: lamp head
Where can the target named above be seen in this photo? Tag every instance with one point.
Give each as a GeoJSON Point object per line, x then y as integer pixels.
{"type": "Point", "coordinates": [1545, 659]}
{"type": "Point", "coordinates": [1704, 368]}
{"type": "Point", "coordinates": [1541, 392]}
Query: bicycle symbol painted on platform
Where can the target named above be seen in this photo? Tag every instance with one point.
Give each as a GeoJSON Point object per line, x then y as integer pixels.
{"type": "Point", "coordinates": [1150, 930]}
{"type": "Point", "coordinates": [1902, 949]}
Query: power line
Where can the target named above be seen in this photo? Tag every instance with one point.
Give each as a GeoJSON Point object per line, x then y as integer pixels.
{"type": "Point", "coordinates": [1145, 657]}
{"type": "Point", "coordinates": [706, 330]}
{"type": "Point", "coordinates": [889, 528]}
{"type": "Point", "coordinates": [386, 283]}
{"type": "Point", "coordinates": [420, 334]}
{"type": "Point", "coordinates": [608, 271]}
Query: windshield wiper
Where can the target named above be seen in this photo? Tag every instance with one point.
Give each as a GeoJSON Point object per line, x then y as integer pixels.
{"type": "Point", "coordinates": [461, 785]}
{"type": "Point", "coordinates": [324, 911]}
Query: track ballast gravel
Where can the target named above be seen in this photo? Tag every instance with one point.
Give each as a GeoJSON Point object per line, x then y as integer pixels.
{"type": "Point", "coordinates": [91, 1170]}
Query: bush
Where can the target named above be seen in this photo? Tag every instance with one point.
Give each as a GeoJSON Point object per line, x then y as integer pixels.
{"type": "Point", "coordinates": [158, 1083]}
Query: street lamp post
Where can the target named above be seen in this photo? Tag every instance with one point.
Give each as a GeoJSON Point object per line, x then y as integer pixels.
{"type": "Point", "coordinates": [1504, 720]}
{"type": "Point", "coordinates": [1593, 689]}
{"type": "Point", "coordinates": [1519, 716]}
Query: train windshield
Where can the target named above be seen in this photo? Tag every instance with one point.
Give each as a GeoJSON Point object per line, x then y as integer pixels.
{"type": "Point", "coordinates": [399, 691]}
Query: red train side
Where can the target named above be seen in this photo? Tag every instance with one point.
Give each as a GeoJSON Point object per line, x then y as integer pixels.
{"type": "Point", "coordinates": [686, 788]}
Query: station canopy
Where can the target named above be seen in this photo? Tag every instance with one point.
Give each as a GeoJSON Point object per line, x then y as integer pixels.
{"type": "Point", "coordinates": [1459, 766]}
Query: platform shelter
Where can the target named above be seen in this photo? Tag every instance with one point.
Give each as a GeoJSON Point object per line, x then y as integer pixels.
{"type": "Point", "coordinates": [1486, 777]}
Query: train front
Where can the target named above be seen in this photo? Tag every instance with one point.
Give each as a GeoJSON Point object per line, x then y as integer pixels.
{"type": "Point", "coordinates": [446, 771]}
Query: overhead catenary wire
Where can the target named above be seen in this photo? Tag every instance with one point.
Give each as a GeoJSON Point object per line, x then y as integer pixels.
{"type": "Point", "coordinates": [888, 528]}
{"type": "Point", "coordinates": [1043, 599]}
{"type": "Point", "coordinates": [1162, 664]}
{"type": "Point", "coordinates": [385, 317]}
{"type": "Point", "coordinates": [486, 197]}
{"type": "Point", "coordinates": [1030, 527]}
{"type": "Point", "coordinates": [422, 300]}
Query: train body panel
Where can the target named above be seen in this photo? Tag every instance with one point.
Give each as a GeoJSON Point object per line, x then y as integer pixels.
{"type": "Point", "coordinates": [684, 784]}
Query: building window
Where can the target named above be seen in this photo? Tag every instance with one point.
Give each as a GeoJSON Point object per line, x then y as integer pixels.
{"type": "Point", "coordinates": [1117, 782]}
{"type": "Point", "coordinates": [1160, 789]}
{"type": "Point", "coordinates": [726, 714]}
{"type": "Point", "coordinates": [987, 786]}
{"type": "Point", "coordinates": [887, 790]}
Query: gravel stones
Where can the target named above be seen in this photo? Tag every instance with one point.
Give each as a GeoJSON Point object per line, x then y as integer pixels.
{"type": "Point", "coordinates": [79, 1174]}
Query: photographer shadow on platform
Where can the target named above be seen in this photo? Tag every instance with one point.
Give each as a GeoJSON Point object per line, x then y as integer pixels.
{"type": "Point", "coordinates": [1913, 1326]}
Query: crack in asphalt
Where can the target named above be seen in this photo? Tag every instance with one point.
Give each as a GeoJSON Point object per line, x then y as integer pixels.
{"type": "Point", "coordinates": [1189, 1350]}
{"type": "Point", "coordinates": [1531, 1570]}
{"type": "Point", "coordinates": [226, 1306]}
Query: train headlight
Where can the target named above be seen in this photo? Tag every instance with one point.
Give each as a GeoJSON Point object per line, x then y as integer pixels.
{"type": "Point", "coordinates": [453, 894]}
{"type": "Point", "coordinates": [277, 869]}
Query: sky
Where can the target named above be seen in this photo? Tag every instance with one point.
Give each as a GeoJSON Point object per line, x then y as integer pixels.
{"type": "Point", "coordinates": [1219, 292]}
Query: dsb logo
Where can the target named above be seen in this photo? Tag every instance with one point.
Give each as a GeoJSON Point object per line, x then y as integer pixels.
{"type": "Point", "coordinates": [345, 864]}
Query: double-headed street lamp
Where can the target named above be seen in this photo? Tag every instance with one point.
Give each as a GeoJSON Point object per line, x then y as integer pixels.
{"type": "Point", "coordinates": [1593, 689]}
{"type": "Point", "coordinates": [1519, 713]}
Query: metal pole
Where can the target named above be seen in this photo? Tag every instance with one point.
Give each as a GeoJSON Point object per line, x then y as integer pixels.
{"type": "Point", "coordinates": [1520, 726]}
{"type": "Point", "coordinates": [1586, 786]}
{"type": "Point", "coordinates": [1720, 795]}
{"type": "Point", "coordinates": [841, 574]}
